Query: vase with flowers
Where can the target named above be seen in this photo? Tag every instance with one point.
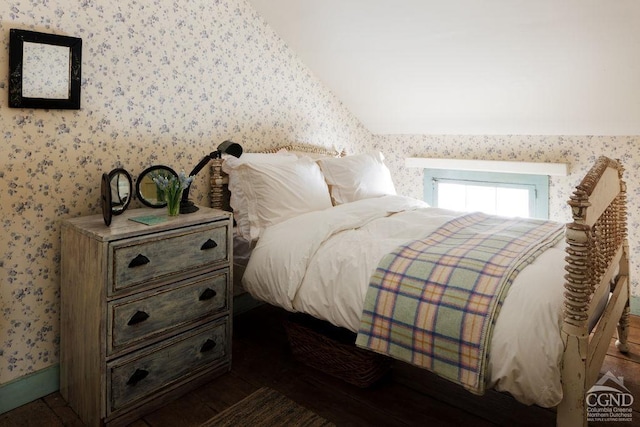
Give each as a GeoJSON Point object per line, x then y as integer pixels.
{"type": "Point", "coordinates": [171, 188]}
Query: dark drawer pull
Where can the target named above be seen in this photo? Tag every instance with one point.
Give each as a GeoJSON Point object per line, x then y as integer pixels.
{"type": "Point", "coordinates": [208, 345]}
{"type": "Point", "coordinates": [209, 244]}
{"type": "Point", "coordinates": [207, 294]}
{"type": "Point", "coordinates": [138, 261]}
{"type": "Point", "coordinates": [137, 376]}
{"type": "Point", "coordinates": [140, 316]}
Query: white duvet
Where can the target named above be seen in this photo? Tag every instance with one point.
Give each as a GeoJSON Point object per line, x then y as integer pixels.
{"type": "Point", "coordinates": [320, 263]}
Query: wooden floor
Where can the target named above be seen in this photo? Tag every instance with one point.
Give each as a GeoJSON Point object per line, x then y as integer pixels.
{"type": "Point", "coordinates": [261, 357]}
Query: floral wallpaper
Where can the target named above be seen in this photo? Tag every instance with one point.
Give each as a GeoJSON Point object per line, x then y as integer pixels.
{"type": "Point", "coordinates": [579, 152]}
{"type": "Point", "coordinates": [163, 82]}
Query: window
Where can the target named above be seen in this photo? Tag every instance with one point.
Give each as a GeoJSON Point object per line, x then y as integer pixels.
{"type": "Point", "coordinates": [505, 194]}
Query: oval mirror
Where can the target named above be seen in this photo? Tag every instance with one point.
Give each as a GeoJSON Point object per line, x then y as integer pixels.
{"type": "Point", "coordinates": [121, 188]}
{"type": "Point", "coordinates": [147, 191]}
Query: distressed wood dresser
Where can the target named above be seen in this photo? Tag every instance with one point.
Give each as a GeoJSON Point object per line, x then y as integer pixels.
{"type": "Point", "coordinates": [145, 310]}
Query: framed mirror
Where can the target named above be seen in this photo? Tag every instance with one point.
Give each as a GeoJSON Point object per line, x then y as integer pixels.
{"type": "Point", "coordinates": [147, 191]}
{"type": "Point", "coordinates": [121, 187]}
{"type": "Point", "coordinates": [44, 70]}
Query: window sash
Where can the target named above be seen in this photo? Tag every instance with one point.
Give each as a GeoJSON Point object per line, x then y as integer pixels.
{"type": "Point", "coordinates": [538, 186]}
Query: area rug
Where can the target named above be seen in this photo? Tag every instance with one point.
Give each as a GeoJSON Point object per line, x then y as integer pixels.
{"type": "Point", "coordinates": [267, 408]}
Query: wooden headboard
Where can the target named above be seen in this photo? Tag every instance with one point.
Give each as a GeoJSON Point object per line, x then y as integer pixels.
{"type": "Point", "coordinates": [219, 180]}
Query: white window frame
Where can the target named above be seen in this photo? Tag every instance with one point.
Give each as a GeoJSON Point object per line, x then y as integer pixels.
{"type": "Point", "coordinates": [476, 169]}
{"type": "Point", "coordinates": [537, 186]}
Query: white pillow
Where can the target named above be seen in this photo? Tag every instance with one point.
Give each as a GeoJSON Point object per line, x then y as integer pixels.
{"type": "Point", "coordinates": [356, 177]}
{"type": "Point", "coordinates": [276, 191]}
{"type": "Point", "coordinates": [238, 200]}
{"type": "Point", "coordinates": [231, 162]}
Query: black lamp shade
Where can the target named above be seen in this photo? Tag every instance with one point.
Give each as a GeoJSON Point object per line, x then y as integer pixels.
{"type": "Point", "coordinates": [231, 148]}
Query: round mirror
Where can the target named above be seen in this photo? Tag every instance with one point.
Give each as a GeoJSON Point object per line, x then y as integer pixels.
{"type": "Point", "coordinates": [121, 189]}
{"type": "Point", "coordinates": [147, 191]}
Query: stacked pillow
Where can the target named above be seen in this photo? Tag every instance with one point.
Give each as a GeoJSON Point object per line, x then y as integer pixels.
{"type": "Point", "coordinates": [269, 188]}
{"type": "Point", "coordinates": [357, 177]}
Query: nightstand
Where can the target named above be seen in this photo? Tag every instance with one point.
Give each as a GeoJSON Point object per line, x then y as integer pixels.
{"type": "Point", "coordinates": [145, 310]}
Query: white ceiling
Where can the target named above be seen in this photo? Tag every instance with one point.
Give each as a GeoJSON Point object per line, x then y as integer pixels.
{"type": "Point", "coordinates": [541, 67]}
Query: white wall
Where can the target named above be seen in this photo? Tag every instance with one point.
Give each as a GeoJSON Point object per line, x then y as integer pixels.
{"type": "Point", "coordinates": [491, 67]}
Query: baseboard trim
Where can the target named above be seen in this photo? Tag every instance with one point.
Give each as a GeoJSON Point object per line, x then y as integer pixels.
{"type": "Point", "coordinates": [29, 388]}
{"type": "Point", "coordinates": [634, 301]}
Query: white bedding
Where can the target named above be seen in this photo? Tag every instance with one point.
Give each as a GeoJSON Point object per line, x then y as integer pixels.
{"type": "Point", "coordinates": [320, 263]}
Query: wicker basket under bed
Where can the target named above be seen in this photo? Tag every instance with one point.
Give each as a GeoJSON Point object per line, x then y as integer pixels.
{"type": "Point", "coordinates": [332, 350]}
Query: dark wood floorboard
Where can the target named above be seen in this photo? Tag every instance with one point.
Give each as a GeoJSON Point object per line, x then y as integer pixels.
{"type": "Point", "coordinates": [405, 397]}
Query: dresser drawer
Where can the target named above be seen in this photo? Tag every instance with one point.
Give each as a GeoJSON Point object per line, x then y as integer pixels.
{"type": "Point", "coordinates": [140, 317]}
{"type": "Point", "coordinates": [150, 370]}
{"type": "Point", "coordinates": [139, 260]}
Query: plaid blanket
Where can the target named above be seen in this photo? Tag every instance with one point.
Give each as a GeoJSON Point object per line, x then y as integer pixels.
{"type": "Point", "coordinates": [432, 302]}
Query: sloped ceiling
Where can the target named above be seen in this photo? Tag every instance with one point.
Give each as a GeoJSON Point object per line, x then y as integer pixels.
{"type": "Point", "coordinates": [541, 67]}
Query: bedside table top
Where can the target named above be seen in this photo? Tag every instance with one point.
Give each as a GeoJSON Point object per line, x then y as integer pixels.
{"type": "Point", "coordinates": [122, 226]}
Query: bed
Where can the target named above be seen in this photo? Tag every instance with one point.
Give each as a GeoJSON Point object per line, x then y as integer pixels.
{"type": "Point", "coordinates": [339, 218]}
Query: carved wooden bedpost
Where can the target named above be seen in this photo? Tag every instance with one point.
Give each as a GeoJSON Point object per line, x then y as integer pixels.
{"type": "Point", "coordinates": [572, 409]}
{"type": "Point", "coordinates": [218, 179]}
{"type": "Point", "coordinates": [597, 262]}
{"type": "Point", "coordinates": [623, 324]}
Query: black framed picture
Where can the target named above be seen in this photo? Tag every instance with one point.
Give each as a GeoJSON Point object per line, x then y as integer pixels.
{"type": "Point", "coordinates": [44, 70]}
